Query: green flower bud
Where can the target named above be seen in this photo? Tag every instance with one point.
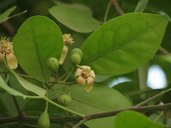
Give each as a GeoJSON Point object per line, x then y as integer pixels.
{"type": "Point", "coordinates": [65, 99]}
{"type": "Point", "coordinates": [53, 64]}
{"type": "Point", "coordinates": [77, 50]}
{"type": "Point", "coordinates": [44, 121]}
{"type": "Point", "coordinates": [75, 58]}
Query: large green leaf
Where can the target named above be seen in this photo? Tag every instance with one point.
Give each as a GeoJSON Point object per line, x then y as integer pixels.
{"type": "Point", "coordinates": [4, 16]}
{"type": "Point", "coordinates": [130, 119]}
{"type": "Point", "coordinates": [37, 39]}
{"type": "Point", "coordinates": [124, 43]}
{"type": "Point", "coordinates": [75, 16]}
{"type": "Point", "coordinates": [100, 99]}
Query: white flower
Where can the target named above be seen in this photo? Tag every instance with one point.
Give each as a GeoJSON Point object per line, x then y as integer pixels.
{"type": "Point", "coordinates": [85, 76]}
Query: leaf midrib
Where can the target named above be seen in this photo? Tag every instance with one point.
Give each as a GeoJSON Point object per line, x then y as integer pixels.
{"type": "Point", "coordinates": [37, 51]}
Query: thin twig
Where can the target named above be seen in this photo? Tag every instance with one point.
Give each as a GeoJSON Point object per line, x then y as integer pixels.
{"type": "Point", "coordinates": [68, 75]}
{"type": "Point", "coordinates": [107, 10]}
{"type": "Point", "coordinates": [88, 117]}
{"type": "Point", "coordinates": [164, 51]}
{"type": "Point", "coordinates": [61, 82]}
{"type": "Point", "coordinates": [80, 123]}
{"type": "Point", "coordinates": [153, 97]}
{"type": "Point", "coordinates": [20, 112]}
{"type": "Point", "coordinates": [9, 28]}
{"type": "Point", "coordinates": [117, 7]}
{"type": "Point", "coordinates": [139, 109]}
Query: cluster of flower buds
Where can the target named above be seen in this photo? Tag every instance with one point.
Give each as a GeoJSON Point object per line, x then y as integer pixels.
{"type": "Point", "coordinates": [85, 76]}
{"type": "Point", "coordinates": [6, 53]}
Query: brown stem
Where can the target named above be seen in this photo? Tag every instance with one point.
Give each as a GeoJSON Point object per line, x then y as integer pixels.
{"type": "Point", "coordinates": [88, 117]}
{"type": "Point", "coordinates": [9, 28]}
{"type": "Point", "coordinates": [139, 109]}
{"type": "Point", "coordinates": [153, 97]}
{"type": "Point", "coordinates": [117, 7]}
{"type": "Point", "coordinates": [80, 123]}
{"type": "Point", "coordinates": [164, 51]}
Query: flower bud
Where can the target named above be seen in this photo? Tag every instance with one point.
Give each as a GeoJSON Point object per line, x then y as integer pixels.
{"type": "Point", "coordinates": [77, 50]}
{"type": "Point", "coordinates": [53, 64]}
{"type": "Point", "coordinates": [75, 58]}
{"type": "Point", "coordinates": [65, 99]}
{"type": "Point", "coordinates": [63, 55]}
{"type": "Point", "coordinates": [44, 121]}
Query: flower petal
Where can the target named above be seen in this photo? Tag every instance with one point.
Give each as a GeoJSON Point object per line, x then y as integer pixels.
{"type": "Point", "coordinates": [11, 61]}
{"type": "Point", "coordinates": [78, 72]}
{"type": "Point", "coordinates": [88, 87]}
{"type": "Point", "coordinates": [92, 74]}
{"type": "Point", "coordinates": [81, 80]}
{"type": "Point", "coordinates": [89, 84]}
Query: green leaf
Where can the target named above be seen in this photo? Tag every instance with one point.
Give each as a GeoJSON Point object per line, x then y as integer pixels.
{"type": "Point", "coordinates": [28, 85]}
{"type": "Point", "coordinates": [141, 5]}
{"type": "Point", "coordinates": [9, 109]}
{"type": "Point", "coordinates": [126, 87]}
{"type": "Point", "coordinates": [4, 16]}
{"type": "Point", "coordinates": [10, 90]}
{"type": "Point", "coordinates": [75, 16]}
{"type": "Point", "coordinates": [123, 44]}
{"type": "Point", "coordinates": [131, 119]}
{"type": "Point", "coordinates": [3, 108]}
{"type": "Point", "coordinates": [100, 99]}
{"type": "Point", "coordinates": [31, 87]}
{"type": "Point", "coordinates": [38, 39]}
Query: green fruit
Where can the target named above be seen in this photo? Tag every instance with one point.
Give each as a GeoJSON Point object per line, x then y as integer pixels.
{"type": "Point", "coordinates": [44, 121]}
{"type": "Point", "coordinates": [65, 99]}
{"type": "Point", "coordinates": [75, 58]}
{"type": "Point", "coordinates": [77, 50]}
{"type": "Point", "coordinates": [53, 64]}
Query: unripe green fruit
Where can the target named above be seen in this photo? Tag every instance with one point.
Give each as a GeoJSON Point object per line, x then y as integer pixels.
{"type": "Point", "coordinates": [53, 64]}
{"type": "Point", "coordinates": [44, 121]}
{"type": "Point", "coordinates": [65, 99]}
{"type": "Point", "coordinates": [77, 50]}
{"type": "Point", "coordinates": [75, 58]}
